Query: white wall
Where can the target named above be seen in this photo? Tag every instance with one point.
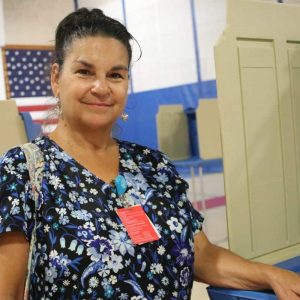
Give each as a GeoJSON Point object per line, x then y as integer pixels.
{"type": "Point", "coordinates": [164, 30]}
{"type": "Point", "coordinates": [33, 22]}
{"type": "Point", "coordinates": [211, 21]}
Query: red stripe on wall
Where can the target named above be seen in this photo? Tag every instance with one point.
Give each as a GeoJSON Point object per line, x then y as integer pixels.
{"type": "Point", "coordinates": [30, 108]}
{"type": "Point", "coordinates": [210, 203]}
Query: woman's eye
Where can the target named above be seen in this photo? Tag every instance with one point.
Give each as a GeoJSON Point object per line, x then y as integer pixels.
{"type": "Point", "coordinates": [84, 72]}
{"type": "Point", "coordinates": [116, 76]}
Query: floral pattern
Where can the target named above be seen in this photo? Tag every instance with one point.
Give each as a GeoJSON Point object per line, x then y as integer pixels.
{"type": "Point", "coordinates": [82, 249]}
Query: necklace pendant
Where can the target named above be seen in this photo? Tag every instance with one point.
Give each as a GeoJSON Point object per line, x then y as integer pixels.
{"type": "Point", "coordinates": [120, 184]}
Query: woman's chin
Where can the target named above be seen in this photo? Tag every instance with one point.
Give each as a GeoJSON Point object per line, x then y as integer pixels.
{"type": "Point", "coordinates": [100, 125]}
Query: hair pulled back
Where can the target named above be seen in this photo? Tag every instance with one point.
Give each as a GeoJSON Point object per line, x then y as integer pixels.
{"type": "Point", "coordinates": [84, 23]}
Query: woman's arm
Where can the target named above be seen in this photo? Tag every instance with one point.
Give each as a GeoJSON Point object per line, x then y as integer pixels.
{"type": "Point", "coordinates": [220, 267]}
{"type": "Point", "coordinates": [14, 250]}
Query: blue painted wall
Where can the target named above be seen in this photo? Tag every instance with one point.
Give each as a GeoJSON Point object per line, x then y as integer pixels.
{"type": "Point", "coordinates": [143, 107]}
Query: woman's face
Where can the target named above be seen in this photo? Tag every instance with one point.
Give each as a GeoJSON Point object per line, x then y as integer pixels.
{"type": "Point", "coordinates": [92, 83]}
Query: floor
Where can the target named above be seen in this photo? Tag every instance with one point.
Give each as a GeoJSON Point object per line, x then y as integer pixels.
{"type": "Point", "coordinates": [211, 189]}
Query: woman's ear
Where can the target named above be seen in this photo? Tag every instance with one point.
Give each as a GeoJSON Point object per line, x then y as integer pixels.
{"type": "Point", "coordinates": [55, 79]}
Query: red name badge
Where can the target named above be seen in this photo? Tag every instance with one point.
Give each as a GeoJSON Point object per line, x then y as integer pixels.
{"type": "Point", "coordinates": [138, 225]}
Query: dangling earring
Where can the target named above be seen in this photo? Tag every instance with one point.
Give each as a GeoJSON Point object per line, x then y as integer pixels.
{"type": "Point", "coordinates": [124, 116]}
{"type": "Point", "coordinates": [58, 108]}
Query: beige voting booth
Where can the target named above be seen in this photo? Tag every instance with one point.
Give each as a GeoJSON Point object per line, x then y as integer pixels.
{"type": "Point", "coordinates": [12, 131]}
{"type": "Point", "coordinates": [208, 129]}
{"type": "Point", "coordinates": [172, 131]}
{"type": "Point", "coordinates": [258, 82]}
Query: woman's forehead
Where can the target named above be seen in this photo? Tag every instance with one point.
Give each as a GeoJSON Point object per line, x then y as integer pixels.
{"type": "Point", "coordinates": [97, 47]}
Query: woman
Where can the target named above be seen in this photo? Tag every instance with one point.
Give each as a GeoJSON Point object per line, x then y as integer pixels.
{"type": "Point", "coordinates": [97, 192]}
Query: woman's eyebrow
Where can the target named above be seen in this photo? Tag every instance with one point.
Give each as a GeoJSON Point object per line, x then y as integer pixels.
{"type": "Point", "coordinates": [119, 68]}
{"type": "Point", "coordinates": [83, 62]}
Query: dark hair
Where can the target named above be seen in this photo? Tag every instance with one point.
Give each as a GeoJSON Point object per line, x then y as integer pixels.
{"type": "Point", "coordinates": [83, 23]}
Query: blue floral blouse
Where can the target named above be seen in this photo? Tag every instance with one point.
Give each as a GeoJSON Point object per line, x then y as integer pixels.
{"type": "Point", "coordinates": [82, 249]}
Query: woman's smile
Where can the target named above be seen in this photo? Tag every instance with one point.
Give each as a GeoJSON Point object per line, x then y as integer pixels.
{"type": "Point", "coordinates": [98, 105]}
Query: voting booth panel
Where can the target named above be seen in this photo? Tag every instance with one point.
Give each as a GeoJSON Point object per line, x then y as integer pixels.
{"type": "Point", "coordinates": [16, 128]}
{"type": "Point", "coordinates": [12, 130]}
{"type": "Point", "coordinates": [208, 129]}
{"type": "Point", "coordinates": [172, 131]}
{"type": "Point", "coordinates": [258, 79]}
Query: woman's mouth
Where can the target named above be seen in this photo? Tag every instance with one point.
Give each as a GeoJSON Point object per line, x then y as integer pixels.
{"type": "Point", "coordinates": [98, 104]}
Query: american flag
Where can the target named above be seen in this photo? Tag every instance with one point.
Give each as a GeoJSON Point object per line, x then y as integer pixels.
{"type": "Point", "coordinates": [26, 72]}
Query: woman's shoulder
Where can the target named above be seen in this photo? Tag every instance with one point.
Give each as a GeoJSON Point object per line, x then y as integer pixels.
{"type": "Point", "coordinates": [15, 155]}
{"type": "Point", "coordinates": [11, 155]}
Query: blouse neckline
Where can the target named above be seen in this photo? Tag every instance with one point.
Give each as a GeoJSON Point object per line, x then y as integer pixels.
{"type": "Point", "coordinates": [71, 158]}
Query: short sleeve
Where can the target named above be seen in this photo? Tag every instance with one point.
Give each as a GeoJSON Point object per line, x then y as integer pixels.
{"type": "Point", "coordinates": [16, 201]}
{"type": "Point", "coordinates": [179, 193]}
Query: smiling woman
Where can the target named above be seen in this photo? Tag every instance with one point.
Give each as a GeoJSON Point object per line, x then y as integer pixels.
{"type": "Point", "coordinates": [91, 85]}
{"type": "Point", "coordinates": [108, 219]}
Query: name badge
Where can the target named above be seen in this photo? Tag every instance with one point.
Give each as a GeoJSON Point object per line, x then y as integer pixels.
{"type": "Point", "coordinates": [138, 225]}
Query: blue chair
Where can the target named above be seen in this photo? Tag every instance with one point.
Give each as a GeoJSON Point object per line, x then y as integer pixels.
{"type": "Point", "coordinates": [32, 129]}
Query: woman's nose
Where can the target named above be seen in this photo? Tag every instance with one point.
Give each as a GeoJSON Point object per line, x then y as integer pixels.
{"type": "Point", "coordinates": [100, 87]}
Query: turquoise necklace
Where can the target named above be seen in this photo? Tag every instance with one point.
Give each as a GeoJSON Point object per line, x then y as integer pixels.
{"type": "Point", "coordinates": [120, 184]}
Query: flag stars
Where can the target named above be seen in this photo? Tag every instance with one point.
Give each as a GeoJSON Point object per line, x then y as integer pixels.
{"type": "Point", "coordinates": [26, 72]}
